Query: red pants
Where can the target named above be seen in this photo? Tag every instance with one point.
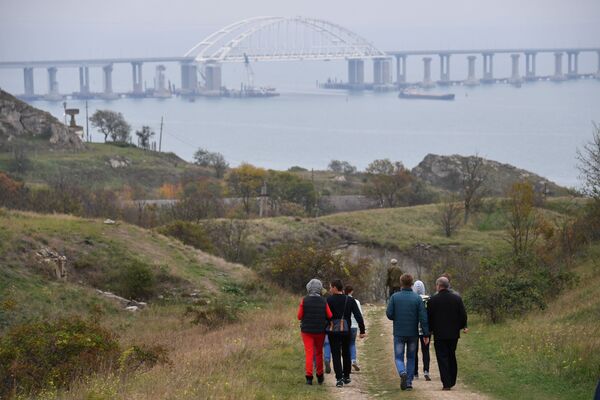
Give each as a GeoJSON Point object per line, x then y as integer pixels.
{"type": "Point", "coordinates": [313, 351]}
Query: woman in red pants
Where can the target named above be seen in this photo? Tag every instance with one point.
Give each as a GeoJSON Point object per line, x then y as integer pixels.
{"type": "Point", "coordinates": [314, 314]}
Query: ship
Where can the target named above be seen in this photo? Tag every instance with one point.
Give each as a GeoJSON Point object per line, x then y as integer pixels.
{"type": "Point", "coordinates": [413, 94]}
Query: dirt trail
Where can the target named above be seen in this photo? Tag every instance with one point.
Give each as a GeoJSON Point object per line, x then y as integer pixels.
{"type": "Point", "coordinates": [422, 389]}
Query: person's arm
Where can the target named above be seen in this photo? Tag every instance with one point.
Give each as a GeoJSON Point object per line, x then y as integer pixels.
{"type": "Point", "coordinates": [328, 311]}
{"type": "Point", "coordinates": [430, 311]}
{"type": "Point", "coordinates": [389, 312]}
{"type": "Point", "coordinates": [358, 316]}
{"type": "Point", "coordinates": [463, 315]}
{"type": "Point", "coordinates": [423, 319]}
{"type": "Point", "coordinates": [301, 310]}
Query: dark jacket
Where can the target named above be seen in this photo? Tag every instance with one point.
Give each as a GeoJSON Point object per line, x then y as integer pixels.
{"type": "Point", "coordinates": [406, 309]}
{"type": "Point", "coordinates": [447, 315]}
{"type": "Point", "coordinates": [336, 305]}
{"type": "Point", "coordinates": [313, 314]}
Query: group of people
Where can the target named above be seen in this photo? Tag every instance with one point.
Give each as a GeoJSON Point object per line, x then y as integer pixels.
{"type": "Point", "coordinates": [330, 326]}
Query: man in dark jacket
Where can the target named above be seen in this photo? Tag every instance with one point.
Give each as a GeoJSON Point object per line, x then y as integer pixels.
{"type": "Point", "coordinates": [447, 316]}
{"type": "Point", "coordinates": [407, 310]}
{"type": "Point", "coordinates": [343, 306]}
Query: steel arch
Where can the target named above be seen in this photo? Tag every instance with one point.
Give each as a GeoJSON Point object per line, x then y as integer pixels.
{"type": "Point", "coordinates": [311, 39]}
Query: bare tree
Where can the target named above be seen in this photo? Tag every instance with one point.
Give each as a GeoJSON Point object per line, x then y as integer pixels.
{"type": "Point", "coordinates": [589, 164]}
{"type": "Point", "coordinates": [473, 179]}
{"type": "Point", "coordinates": [449, 216]}
{"type": "Point", "coordinates": [523, 220]}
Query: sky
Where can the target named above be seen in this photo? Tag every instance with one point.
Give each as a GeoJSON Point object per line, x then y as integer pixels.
{"type": "Point", "coordinates": [50, 29]}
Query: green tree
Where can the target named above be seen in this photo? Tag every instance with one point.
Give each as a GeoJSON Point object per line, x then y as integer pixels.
{"type": "Point", "coordinates": [388, 182]}
{"type": "Point", "coordinates": [341, 167]}
{"type": "Point", "coordinates": [245, 182]}
{"type": "Point", "coordinates": [144, 136]}
{"type": "Point", "coordinates": [111, 123]}
{"type": "Point", "coordinates": [288, 187]}
{"type": "Point", "coordinates": [212, 160]}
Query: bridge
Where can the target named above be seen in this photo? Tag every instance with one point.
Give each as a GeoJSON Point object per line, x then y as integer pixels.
{"type": "Point", "coordinates": [272, 38]}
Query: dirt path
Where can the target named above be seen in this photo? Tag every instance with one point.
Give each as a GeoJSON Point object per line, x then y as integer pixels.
{"type": "Point", "coordinates": [381, 328]}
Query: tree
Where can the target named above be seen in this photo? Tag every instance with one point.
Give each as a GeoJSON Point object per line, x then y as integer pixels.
{"type": "Point", "coordinates": [589, 165]}
{"type": "Point", "coordinates": [12, 193]}
{"type": "Point", "coordinates": [212, 160]}
{"type": "Point", "coordinates": [288, 187]}
{"type": "Point", "coordinates": [245, 182]}
{"type": "Point", "coordinates": [341, 167]}
{"type": "Point", "coordinates": [111, 123]}
{"type": "Point", "coordinates": [144, 136]}
{"type": "Point", "coordinates": [523, 220]}
{"type": "Point", "coordinates": [387, 182]}
{"type": "Point", "coordinates": [20, 162]}
{"type": "Point", "coordinates": [199, 200]}
{"type": "Point", "coordinates": [473, 178]}
{"type": "Point", "coordinates": [449, 216]}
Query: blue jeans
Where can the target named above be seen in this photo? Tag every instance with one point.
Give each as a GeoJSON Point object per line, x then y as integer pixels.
{"type": "Point", "coordinates": [353, 344]}
{"type": "Point", "coordinates": [326, 350]}
{"type": "Point", "coordinates": [408, 344]}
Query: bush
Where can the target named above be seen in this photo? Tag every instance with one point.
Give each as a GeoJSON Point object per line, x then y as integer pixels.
{"type": "Point", "coordinates": [189, 233]}
{"type": "Point", "coordinates": [142, 357]}
{"type": "Point", "coordinates": [37, 355]}
{"type": "Point", "coordinates": [134, 280]}
{"type": "Point", "coordinates": [213, 314]}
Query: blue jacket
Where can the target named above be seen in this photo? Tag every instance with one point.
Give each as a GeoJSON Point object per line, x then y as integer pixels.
{"type": "Point", "coordinates": [406, 309]}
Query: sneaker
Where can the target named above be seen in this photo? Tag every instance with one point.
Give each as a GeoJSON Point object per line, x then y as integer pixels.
{"type": "Point", "coordinates": [446, 388]}
{"type": "Point", "coordinates": [340, 383]}
{"type": "Point", "coordinates": [309, 380]}
{"type": "Point", "coordinates": [320, 379]}
{"type": "Point", "coordinates": [327, 367]}
{"type": "Point", "coordinates": [416, 376]}
{"type": "Point", "coordinates": [403, 381]}
{"type": "Point", "coordinates": [427, 377]}
{"type": "Point", "coordinates": [355, 366]}
{"type": "Point", "coordinates": [409, 388]}
{"type": "Point", "coordinates": [347, 380]}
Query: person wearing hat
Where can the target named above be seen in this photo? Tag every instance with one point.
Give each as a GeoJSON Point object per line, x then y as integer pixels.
{"type": "Point", "coordinates": [313, 312]}
{"type": "Point", "coordinates": [393, 277]}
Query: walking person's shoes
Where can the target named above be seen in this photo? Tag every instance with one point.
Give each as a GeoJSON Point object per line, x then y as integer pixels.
{"type": "Point", "coordinates": [427, 377]}
{"type": "Point", "coordinates": [340, 383]}
{"type": "Point", "coordinates": [409, 388]}
{"type": "Point", "coordinates": [309, 380]}
{"type": "Point", "coordinates": [403, 378]}
{"type": "Point", "coordinates": [446, 388]}
{"type": "Point", "coordinates": [416, 376]}
{"type": "Point", "coordinates": [320, 379]}
{"type": "Point", "coordinates": [355, 366]}
{"type": "Point", "coordinates": [327, 367]}
{"type": "Point", "coordinates": [347, 380]}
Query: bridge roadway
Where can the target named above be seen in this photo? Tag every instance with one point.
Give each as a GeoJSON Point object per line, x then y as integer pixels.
{"type": "Point", "coordinates": [382, 71]}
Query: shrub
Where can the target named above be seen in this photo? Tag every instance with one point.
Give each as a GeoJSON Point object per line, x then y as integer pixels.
{"type": "Point", "coordinates": [142, 357]}
{"type": "Point", "coordinates": [52, 354]}
{"type": "Point", "coordinates": [189, 233]}
{"type": "Point", "coordinates": [134, 280]}
{"type": "Point", "coordinates": [213, 314]}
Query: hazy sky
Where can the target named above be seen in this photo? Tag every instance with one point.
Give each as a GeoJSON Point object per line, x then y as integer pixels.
{"type": "Point", "coordinates": [43, 29]}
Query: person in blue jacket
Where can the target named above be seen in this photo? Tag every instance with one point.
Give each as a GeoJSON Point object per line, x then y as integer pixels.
{"type": "Point", "coordinates": [406, 309]}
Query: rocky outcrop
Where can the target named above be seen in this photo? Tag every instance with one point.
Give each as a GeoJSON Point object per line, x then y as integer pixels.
{"type": "Point", "coordinates": [446, 172]}
{"type": "Point", "coordinates": [20, 120]}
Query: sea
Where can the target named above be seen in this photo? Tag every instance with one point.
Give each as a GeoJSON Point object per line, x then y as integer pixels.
{"type": "Point", "coordinates": [538, 126]}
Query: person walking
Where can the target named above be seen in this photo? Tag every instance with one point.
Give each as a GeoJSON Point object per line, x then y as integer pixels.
{"type": "Point", "coordinates": [419, 288]}
{"type": "Point", "coordinates": [342, 308]}
{"type": "Point", "coordinates": [407, 311]}
{"type": "Point", "coordinates": [394, 273]}
{"type": "Point", "coordinates": [348, 290]}
{"type": "Point", "coordinates": [313, 312]}
{"type": "Point", "coordinates": [447, 316]}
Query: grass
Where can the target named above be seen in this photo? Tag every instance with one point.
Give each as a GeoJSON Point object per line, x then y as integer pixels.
{"type": "Point", "coordinates": [551, 354]}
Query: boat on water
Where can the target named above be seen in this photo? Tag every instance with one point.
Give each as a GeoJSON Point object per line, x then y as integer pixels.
{"type": "Point", "coordinates": [413, 94]}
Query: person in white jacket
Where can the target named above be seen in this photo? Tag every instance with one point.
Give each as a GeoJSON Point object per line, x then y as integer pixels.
{"type": "Point", "coordinates": [419, 288]}
{"type": "Point", "coordinates": [348, 290]}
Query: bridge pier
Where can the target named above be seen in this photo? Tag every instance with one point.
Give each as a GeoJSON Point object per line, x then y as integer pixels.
{"type": "Point", "coordinates": [515, 77]}
{"type": "Point", "coordinates": [160, 83]}
{"type": "Point", "coordinates": [558, 75]}
{"type": "Point", "coordinates": [444, 69]}
{"type": "Point", "coordinates": [212, 74]}
{"type": "Point", "coordinates": [572, 65]}
{"type": "Point", "coordinates": [84, 81]}
{"type": "Point", "coordinates": [356, 72]}
{"type": "Point", "coordinates": [401, 70]}
{"type": "Point", "coordinates": [427, 82]}
{"type": "Point", "coordinates": [53, 93]}
{"type": "Point", "coordinates": [381, 71]}
{"type": "Point", "coordinates": [138, 86]}
{"type": "Point", "coordinates": [28, 82]}
{"type": "Point", "coordinates": [107, 92]}
{"type": "Point", "coordinates": [471, 79]}
{"type": "Point", "coordinates": [189, 78]}
{"type": "Point", "coordinates": [530, 66]}
{"type": "Point", "coordinates": [488, 68]}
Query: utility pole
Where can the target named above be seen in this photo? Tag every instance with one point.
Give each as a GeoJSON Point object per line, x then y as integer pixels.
{"type": "Point", "coordinates": [87, 123]}
{"type": "Point", "coordinates": [160, 136]}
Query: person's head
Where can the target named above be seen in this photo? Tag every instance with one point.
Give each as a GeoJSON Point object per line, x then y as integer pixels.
{"type": "Point", "coordinates": [314, 287]}
{"type": "Point", "coordinates": [348, 289]}
{"type": "Point", "coordinates": [445, 275]}
{"type": "Point", "coordinates": [336, 286]}
{"type": "Point", "coordinates": [406, 280]}
{"type": "Point", "coordinates": [419, 288]}
{"type": "Point", "coordinates": [393, 261]}
{"type": "Point", "coordinates": [442, 283]}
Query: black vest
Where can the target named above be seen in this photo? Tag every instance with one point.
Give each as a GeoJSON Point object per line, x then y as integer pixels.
{"type": "Point", "coordinates": [315, 315]}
